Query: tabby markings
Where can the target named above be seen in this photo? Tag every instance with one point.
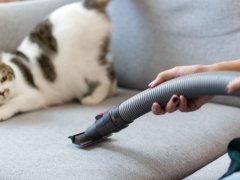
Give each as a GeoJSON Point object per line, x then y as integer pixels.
{"type": "Point", "coordinates": [99, 5]}
{"type": "Point", "coordinates": [91, 87]}
{"type": "Point", "coordinates": [42, 35]}
{"type": "Point", "coordinates": [104, 49]}
{"type": "Point", "coordinates": [47, 67]}
{"type": "Point", "coordinates": [25, 71]}
{"type": "Point", "coordinates": [20, 55]}
{"type": "Point", "coordinates": [7, 72]}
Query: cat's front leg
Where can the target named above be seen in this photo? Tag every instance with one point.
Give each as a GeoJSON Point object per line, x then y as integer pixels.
{"type": "Point", "coordinates": [6, 114]}
{"type": "Point", "coordinates": [22, 103]}
{"type": "Point", "coordinates": [98, 94]}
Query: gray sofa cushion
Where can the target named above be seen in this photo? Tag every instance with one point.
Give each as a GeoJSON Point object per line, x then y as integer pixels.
{"type": "Point", "coordinates": [213, 170]}
{"type": "Point", "coordinates": [35, 145]}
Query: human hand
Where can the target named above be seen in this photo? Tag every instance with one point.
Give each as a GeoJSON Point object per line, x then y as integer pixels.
{"type": "Point", "coordinates": [179, 102]}
{"type": "Point", "coordinates": [233, 85]}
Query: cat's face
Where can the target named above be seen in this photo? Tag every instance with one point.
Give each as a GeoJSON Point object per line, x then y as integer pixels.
{"type": "Point", "coordinates": [6, 82]}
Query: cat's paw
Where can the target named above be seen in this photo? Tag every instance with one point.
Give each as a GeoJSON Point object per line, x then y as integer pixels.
{"type": "Point", "coordinates": [5, 115]}
{"type": "Point", "coordinates": [89, 100]}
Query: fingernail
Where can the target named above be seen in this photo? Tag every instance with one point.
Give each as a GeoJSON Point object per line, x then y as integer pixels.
{"type": "Point", "coordinates": [175, 99]}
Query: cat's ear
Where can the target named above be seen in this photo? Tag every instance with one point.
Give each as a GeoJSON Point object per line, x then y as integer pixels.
{"type": "Point", "coordinates": [96, 4]}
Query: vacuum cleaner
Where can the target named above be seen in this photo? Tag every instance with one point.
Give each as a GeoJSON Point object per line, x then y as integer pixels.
{"type": "Point", "coordinates": [119, 117]}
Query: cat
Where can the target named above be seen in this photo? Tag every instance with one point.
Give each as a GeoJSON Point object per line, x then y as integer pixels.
{"type": "Point", "coordinates": [65, 57]}
{"type": "Point", "coordinates": [4, 1]}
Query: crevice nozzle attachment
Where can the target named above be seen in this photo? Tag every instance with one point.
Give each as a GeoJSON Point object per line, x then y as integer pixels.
{"type": "Point", "coordinates": [83, 141]}
{"type": "Point", "coordinates": [72, 138]}
{"type": "Point", "coordinates": [105, 124]}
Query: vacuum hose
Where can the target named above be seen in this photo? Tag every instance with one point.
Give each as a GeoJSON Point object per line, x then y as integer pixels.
{"type": "Point", "coordinates": [190, 86]}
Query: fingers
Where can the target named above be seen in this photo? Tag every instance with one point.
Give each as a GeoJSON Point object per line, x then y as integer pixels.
{"type": "Point", "coordinates": [163, 76]}
{"type": "Point", "coordinates": [157, 110]}
{"type": "Point", "coordinates": [192, 105]}
{"type": "Point", "coordinates": [233, 85]}
{"type": "Point", "coordinates": [180, 103]}
{"type": "Point", "coordinates": [170, 107]}
{"type": "Point", "coordinates": [175, 72]}
{"type": "Point", "coordinates": [183, 104]}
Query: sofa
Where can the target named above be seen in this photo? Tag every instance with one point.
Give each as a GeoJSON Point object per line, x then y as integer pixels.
{"type": "Point", "coordinates": [148, 37]}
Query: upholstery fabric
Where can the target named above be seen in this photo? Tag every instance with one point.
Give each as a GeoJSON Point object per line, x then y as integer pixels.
{"type": "Point", "coordinates": [35, 145]}
{"type": "Point", "coordinates": [213, 170]}
{"type": "Point", "coordinates": [155, 35]}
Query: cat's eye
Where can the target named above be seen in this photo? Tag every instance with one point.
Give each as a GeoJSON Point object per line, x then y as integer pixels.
{"type": "Point", "coordinates": [4, 78]}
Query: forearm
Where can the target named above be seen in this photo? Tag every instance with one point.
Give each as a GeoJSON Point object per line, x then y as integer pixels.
{"type": "Point", "coordinates": [233, 65]}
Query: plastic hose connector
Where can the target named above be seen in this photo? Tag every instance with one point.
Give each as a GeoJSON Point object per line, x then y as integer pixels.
{"type": "Point", "coordinates": [190, 86]}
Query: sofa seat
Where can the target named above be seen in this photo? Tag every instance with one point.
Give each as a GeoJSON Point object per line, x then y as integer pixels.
{"type": "Point", "coordinates": [35, 145]}
{"type": "Point", "coordinates": [213, 170]}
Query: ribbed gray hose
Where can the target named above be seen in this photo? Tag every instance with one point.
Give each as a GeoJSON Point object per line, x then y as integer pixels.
{"type": "Point", "coordinates": [190, 86]}
{"type": "Point", "coordinates": [119, 117]}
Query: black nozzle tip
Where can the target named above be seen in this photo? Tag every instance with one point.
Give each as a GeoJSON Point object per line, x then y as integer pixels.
{"type": "Point", "coordinates": [72, 138]}
{"type": "Point", "coordinates": [84, 141]}
{"type": "Point", "coordinates": [79, 138]}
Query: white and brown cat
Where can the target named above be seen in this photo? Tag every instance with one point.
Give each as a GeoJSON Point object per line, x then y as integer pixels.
{"type": "Point", "coordinates": [7, 1]}
{"type": "Point", "coordinates": [65, 57]}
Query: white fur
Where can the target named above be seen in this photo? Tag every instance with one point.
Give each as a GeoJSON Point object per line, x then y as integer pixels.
{"type": "Point", "coordinates": [79, 33]}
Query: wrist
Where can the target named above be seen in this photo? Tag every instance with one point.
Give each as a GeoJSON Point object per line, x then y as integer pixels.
{"type": "Point", "coordinates": [225, 66]}
{"type": "Point", "coordinates": [205, 68]}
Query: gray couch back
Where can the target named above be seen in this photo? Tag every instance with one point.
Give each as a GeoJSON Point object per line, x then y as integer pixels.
{"type": "Point", "coordinates": [149, 36]}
